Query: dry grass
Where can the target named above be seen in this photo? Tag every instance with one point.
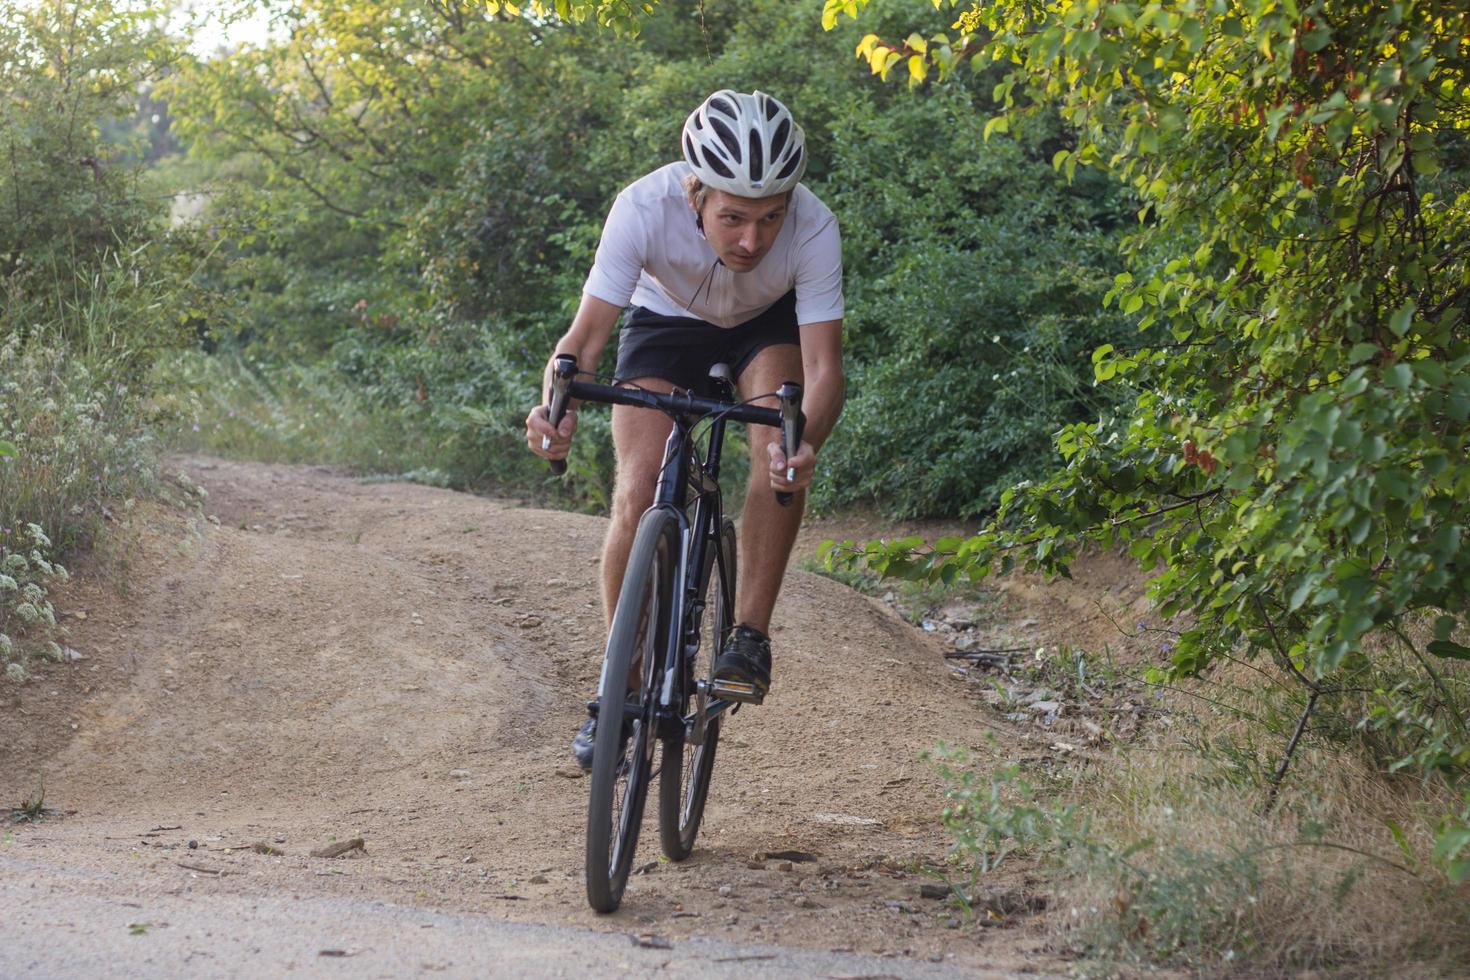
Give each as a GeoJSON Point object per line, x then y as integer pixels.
{"type": "Point", "coordinates": [1338, 879]}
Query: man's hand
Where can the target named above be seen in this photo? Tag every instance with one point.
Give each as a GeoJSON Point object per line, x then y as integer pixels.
{"type": "Point", "coordinates": [799, 467]}
{"type": "Point", "coordinates": [546, 440]}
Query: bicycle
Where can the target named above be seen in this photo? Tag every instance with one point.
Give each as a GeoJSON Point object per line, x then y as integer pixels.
{"type": "Point", "coordinates": [673, 613]}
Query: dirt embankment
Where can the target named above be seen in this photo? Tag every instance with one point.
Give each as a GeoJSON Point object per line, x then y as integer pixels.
{"type": "Point", "coordinates": [316, 659]}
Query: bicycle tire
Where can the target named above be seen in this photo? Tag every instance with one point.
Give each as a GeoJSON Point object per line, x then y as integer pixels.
{"type": "Point", "coordinates": [687, 769]}
{"type": "Point", "coordinates": [622, 763]}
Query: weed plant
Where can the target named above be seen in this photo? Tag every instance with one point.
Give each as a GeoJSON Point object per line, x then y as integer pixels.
{"type": "Point", "coordinates": [81, 439]}
{"type": "Point", "coordinates": [1181, 867]}
{"type": "Point", "coordinates": [1167, 853]}
{"type": "Point", "coordinates": [77, 447]}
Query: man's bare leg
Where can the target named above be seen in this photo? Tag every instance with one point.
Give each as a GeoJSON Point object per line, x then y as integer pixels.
{"type": "Point", "coordinates": [767, 530]}
{"type": "Point", "coordinates": [639, 435]}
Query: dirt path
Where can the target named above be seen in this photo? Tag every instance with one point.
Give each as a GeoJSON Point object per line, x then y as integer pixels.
{"type": "Point", "coordinates": [334, 659]}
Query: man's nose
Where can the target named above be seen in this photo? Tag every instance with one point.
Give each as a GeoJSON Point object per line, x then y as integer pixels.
{"type": "Point", "coordinates": [749, 238]}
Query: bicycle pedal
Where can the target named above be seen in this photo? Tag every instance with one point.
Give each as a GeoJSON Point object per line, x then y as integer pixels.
{"type": "Point", "coordinates": [741, 692]}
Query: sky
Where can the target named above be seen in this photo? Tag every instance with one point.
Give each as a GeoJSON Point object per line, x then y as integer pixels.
{"type": "Point", "coordinates": [213, 33]}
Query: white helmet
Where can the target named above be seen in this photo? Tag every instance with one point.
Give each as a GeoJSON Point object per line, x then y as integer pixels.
{"type": "Point", "coordinates": [745, 144]}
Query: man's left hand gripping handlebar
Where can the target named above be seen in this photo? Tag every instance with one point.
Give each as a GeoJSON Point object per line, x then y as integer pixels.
{"type": "Point", "coordinates": [549, 428]}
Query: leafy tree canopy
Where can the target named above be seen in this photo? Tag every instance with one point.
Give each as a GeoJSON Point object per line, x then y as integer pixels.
{"type": "Point", "coordinates": [1294, 467]}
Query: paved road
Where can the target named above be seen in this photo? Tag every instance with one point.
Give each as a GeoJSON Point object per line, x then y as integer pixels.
{"type": "Point", "coordinates": [56, 922]}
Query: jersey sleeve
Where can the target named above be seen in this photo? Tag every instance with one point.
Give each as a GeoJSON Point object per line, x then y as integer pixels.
{"type": "Point", "coordinates": [621, 254]}
{"type": "Point", "coordinates": [819, 276]}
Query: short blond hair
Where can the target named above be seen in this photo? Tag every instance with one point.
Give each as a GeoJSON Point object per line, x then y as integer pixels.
{"type": "Point", "coordinates": [698, 192]}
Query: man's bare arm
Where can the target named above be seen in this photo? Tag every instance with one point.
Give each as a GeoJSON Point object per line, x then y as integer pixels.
{"type": "Point", "coordinates": [825, 386]}
{"type": "Point", "coordinates": [824, 389]}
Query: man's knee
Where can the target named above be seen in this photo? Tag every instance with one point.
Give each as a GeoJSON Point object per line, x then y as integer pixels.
{"type": "Point", "coordinates": [633, 493]}
{"type": "Point", "coordinates": [761, 438]}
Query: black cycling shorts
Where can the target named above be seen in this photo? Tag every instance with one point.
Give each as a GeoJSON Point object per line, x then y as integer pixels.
{"type": "Point", "coordinates": [681, 349]}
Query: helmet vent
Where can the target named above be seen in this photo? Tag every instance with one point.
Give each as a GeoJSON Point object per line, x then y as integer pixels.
{"type": "Point", "coordinates": [715, 164]}
{"type": "Point", "coordinates": [727, 136]}
{"type": "Point", "coordinates": [791, 165]}
{"type": "Point", "coordinates": [757, 162]}
{"type": "Point", "coordinates": [721, 105]}
{"type": "Point", "coordinates": [778, 139]}
{"type": "Point", "coordinates": [772, 107]}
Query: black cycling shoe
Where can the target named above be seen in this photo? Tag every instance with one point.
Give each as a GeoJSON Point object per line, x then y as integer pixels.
{"type": "Point", "coordinates": [746, 659]}
{"type": "Point", "coordinates": [584, 743]}
{"type": "Point", "coordinates": [586, 740]}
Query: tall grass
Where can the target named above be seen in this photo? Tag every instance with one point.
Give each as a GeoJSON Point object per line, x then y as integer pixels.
{"type": "Point", "coordinates": [1174, 850]}
{"type": "Point", "coordinates": [372, 421]}
{"type": "Point", "coordinates": [1185, 870]}
{"type": "Point", "coordinates": [78, 412]}
{"type": "Point", "coordinates": [234, 406]}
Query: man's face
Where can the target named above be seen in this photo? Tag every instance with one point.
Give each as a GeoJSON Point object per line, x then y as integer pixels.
{"type": "Point", "coordinates": [742, 229]}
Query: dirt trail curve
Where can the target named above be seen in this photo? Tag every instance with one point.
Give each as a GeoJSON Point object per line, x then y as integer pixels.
{"type": "Point", "coordinates": [335, 659]}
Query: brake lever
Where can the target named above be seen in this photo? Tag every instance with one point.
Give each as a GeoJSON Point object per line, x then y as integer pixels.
{"type": "Point", "coordinates": [563, 370]}
{"type": "Point", "coordinates": [792, 424]}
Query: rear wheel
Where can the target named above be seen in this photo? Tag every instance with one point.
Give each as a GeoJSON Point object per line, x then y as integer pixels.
{"type": "Point", "coordinates": [689, 761]}
{"type": "Point", "coordinates": [622, 757]}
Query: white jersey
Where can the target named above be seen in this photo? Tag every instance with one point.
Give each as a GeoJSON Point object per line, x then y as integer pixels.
{"type": "Point", "coordinates": [653, 255]}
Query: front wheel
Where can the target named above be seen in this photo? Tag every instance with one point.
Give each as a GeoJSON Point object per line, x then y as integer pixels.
{"type": "Point", "coordinates": [687, 765]}
{"type": "Point", "coordinates": [622, 755]}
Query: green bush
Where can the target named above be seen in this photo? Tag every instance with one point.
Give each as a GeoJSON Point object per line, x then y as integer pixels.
{"type": "Point", "coordinates": [82, 439]}
{"type": "Point", "coordinates": [464, 255]}
{"type": "Point", "coordinates": [26, 614]}
{"type": "Point", "coordinates": [1291, 465]}
{"type": "Point", "coordinates": [74, 444]}
{"type": "Point", "coordinates": [92, 289]}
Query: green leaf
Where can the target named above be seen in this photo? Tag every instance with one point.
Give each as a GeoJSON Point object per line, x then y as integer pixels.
{"type": "Point", "coordinates": [6, 449]}
{"type": "Point", "coordinates": [1402, 840]}
{"type": "Point", "coordinates": [918, 68]}
{"type": "Point", "coordinates": [1452, 841]}
{"type": "Point", "coordinates": [1449, 649]}
{"type": "Point", "coordinates": [1317, 39]}
{"type": "Point", "coordinates": [1361, 352]}
{"type": "Point", "coordinates": [1300, 594]}
{"type": "Point", "coordinates": [1268, 260]}
{"type": "Point", "coordinates": [1402, 318]}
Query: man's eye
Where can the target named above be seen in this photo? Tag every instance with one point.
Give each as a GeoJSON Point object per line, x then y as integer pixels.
{"type": "Point", "coordinates": [771, 219]}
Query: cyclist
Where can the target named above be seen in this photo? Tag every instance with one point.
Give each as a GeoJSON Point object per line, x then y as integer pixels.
{"type": "Point", "coordinates": [723, 257]}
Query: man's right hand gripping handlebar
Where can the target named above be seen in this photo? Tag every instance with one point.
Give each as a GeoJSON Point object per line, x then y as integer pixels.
{"type": "Point", "coordinates": [549, 428]}
{"type": "Point", "coordinates": [792, 422]}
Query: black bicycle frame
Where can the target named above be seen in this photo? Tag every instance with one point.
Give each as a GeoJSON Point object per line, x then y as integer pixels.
{"type": "Point", "coordinates": [682, 471]}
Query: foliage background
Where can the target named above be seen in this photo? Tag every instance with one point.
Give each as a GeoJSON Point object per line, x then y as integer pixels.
{"type": "Point", "coordinates": [1187, 278]}
{"type": "Point", "coordinates": [428, 246]}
